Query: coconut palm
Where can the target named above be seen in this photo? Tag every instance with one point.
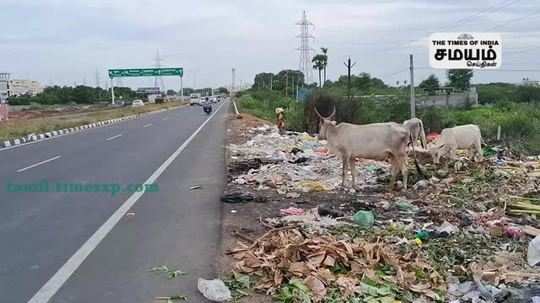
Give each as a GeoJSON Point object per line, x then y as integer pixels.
{"type": "Point", "coordinates": [325, 62]}
{"type": "Point", "coordinates": [318, 64]}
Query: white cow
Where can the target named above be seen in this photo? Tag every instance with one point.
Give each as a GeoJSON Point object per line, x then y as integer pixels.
{"type": "Point", "coordinates": [416, 129]}
{"type": "Point", "coordinates": [377, 141]}
{"type": "Point", "coordinates": [460, 137]}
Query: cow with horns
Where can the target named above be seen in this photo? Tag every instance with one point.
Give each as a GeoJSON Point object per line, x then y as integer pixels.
{"type": "Point", "coordinates": [376, 141]}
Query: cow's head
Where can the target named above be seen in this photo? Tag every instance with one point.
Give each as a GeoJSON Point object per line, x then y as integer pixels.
{"type": "Point", "coordinates": [325, 122]}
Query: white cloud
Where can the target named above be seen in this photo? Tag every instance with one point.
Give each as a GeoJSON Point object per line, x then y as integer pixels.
{"type": "Point", "coordinates": [66, 40]}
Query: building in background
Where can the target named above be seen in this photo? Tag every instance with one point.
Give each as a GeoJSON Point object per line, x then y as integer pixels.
{"type": "Point", "coordinates": [529, 82]}
{"type": "Point", "coordinates": [24, 88]}
{"type": "Point", "coordinates": [4, 87]}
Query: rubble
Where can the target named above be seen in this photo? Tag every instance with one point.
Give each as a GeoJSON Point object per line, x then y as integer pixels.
{"type": "Point", "coordinates": [463, 234]}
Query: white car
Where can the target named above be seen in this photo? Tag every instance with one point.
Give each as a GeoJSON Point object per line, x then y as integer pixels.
{"type": "Point", "coordinates": [137, 103]}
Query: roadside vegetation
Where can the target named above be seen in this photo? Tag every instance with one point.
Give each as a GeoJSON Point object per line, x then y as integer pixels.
{"type": "Point", "coordinates": [365, 99]}
{"type": "Point", "coordinates": [16, 128]}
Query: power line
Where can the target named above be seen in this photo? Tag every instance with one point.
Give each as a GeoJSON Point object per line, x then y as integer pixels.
{"type": "Point", "coordinates": [514, 20]}
{"type": "Point", "coordinates": [491, 9]}
{"type": "Point", "coordinates": [395, 73]}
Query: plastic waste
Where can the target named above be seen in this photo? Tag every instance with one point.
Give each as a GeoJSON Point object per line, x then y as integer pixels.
{"type": "Point", "coordinates": [291, 211]}
{"type": "Point", "coordinates": [214, 290]}
{"type": "Point", "coordinates": [405, 205]}
{"type": "Point", "coordinates": [533, 253]}
{"type": "Point", "coordinates": [364, 218]}
{"type": "Point", "coordinates": [422, 235]}
{"type": "Point", "coordinates": [446, 229]}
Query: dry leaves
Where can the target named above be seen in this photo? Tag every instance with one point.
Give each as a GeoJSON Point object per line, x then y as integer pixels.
{"type": "Point", "coordinates": [284, 254]}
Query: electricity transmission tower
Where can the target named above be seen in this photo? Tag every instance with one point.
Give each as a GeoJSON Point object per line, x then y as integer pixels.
{"type": "Point", "coordinates": [97, 78]}
{"type": "Point", "coordinates": [158, 80]}
{"type": "Point", "coordinates": [305, 49]}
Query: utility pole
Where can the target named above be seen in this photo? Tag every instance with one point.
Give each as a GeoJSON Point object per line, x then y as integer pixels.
{"type": "Point", "coordinates": [182, 86]}
{"type": "Point", "coordinates": [349, 66]}
{"type": "Point", "coordinates": [413, 101]}
{"type": "Point", "coordinates": [158, 78]}
{"type": "Point", "coordinates": [286, 83]}
{"type": "Point", "coordinates": [112, 90]}
{"type": "Point", "coordinates": [233, 79]}
{"type": "Point", "coordinates": [97, 78]}
{"type": "Point", "coordinates": [271, 80]}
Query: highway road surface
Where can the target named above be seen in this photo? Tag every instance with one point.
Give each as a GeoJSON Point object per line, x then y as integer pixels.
{"type": "Point", "coordinates": [74, 228]}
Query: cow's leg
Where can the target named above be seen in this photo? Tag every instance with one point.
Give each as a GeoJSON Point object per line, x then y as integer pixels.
{"type": "Point", "coordinates": [352, 166]}
{"type": "Point", "coordinates": [478, 150]}
{"type": "Point", "coordinates": [394, 170]}
{"type": "Point", "coordinates": [344, 172]}
{"type": "Point", "coordinates": [452, 154]}
{"type": "Point", "coordinates": [404, 171]}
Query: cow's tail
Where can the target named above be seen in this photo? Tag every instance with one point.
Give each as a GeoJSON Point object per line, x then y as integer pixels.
{"type": "Point", "coordinates": [420, 172]}
{"type": "Point", "coordinates": [423, 140]}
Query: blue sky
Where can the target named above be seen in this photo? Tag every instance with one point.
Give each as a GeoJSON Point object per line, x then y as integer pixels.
{"type": "Point", "coordinates": [66, 41]}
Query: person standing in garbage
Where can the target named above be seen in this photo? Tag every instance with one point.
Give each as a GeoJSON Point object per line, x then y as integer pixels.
{"type": "Point", "coordinates": [280, 120]}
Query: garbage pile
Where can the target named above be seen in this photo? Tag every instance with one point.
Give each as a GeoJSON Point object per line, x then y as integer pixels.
{"type": "Point", "coordinates": [468, 233]}
{"type": "Point", "coordinates": [296, 162]}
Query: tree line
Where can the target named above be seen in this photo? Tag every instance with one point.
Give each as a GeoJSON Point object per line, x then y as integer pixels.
{"type": "Point", "coordinates": [82, 94]}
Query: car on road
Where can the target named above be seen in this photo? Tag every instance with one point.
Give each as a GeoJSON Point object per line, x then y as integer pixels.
{"type": "Point", "coordinates": [195, 99]}
{"type": "Point", "coordinates": [137, 103]}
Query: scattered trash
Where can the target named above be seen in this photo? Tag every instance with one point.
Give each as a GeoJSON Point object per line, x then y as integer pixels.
{"type": "Point", "coordinates": [292, 195]}
{"type": "Point", "coordinates": [296, 162]}
{"type": "Point", "coordinates": [406, 206]}
{"type": "Point", "coordinates": [171, 273]}
{"type": "Point", "coordinates": [422, 235]}
{"type": "Point", "coordinates": [291, 211]}
{"type": "Point", "coordinates": [364, 218]}
{"type": "Point", "coordinates": [238, 197]}
{"type": "Point", "coordinates": [328, 210]}
{"type": "Point", "coordinates": [533, 253]}
{"type": "Point", "coordinates": [233, 211]}
{"type": "Point", "coordinates": [214, 290]}
{"type": "Point", "coordinates": [195, 187]}
{"type": "Point", "coordinates": [172, 299]}
{"type": "Point", "coordinates": [421, 185]}
{"type": "Point", "coordinates": [470, 222]}
{"type": "Point", "coordinates": [447, 229]}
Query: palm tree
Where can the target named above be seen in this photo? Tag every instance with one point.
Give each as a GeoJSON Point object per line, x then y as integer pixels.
{"type": "Point", "coordinates": [318, 64]}
{"type": "Point", "coordinates": [325, 62]}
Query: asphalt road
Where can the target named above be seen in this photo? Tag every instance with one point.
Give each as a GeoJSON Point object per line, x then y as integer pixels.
{"type": "Point", "coordinates": [174, 226]}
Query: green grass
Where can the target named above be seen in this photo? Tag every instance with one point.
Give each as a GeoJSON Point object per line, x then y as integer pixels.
{"type": "Point", "coordinates": [263, 105]}
{"type": "Point", "coordinates": [16, 128]}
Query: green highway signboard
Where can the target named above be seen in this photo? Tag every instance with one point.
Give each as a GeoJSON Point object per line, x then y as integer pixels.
{"type": "Point", "coordinates": [146, 72]}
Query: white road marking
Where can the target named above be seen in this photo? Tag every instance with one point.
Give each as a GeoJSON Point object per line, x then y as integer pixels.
{"type": "Point", "coordinates": [147, 125]}
{"type": "Point", "coordinates": [47, 291]}
{"type": "Point", "coordinates": [113, 137]}
{"type": "Point", "coordinates": [38, 164]}
{"type": "Point", "coordinates": [166, 118]}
